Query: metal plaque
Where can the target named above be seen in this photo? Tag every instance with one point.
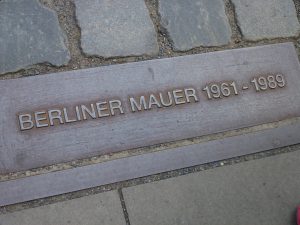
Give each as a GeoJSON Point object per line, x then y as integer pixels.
{"type": "Point", "coordinates": [65, 116]}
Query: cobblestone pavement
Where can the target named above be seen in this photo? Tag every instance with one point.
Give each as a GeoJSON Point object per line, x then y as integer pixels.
{"type": "Point", "coordinates": [47, 36]}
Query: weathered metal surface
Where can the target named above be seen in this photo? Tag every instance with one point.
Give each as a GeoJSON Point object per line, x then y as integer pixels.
{"type": "Point", "coordinates": [79, 178]}
{"type": "Point", "coordinates": [263, 87]}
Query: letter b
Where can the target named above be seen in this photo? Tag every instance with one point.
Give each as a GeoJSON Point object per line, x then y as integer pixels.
{"type": "Point", "coordinates": [26, 122]}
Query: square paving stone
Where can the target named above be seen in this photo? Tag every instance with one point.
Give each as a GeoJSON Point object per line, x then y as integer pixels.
{"type": "Point", "coordinates": [261, 19]}
{"type": "Point", "coordinates": [116, 28]}
{"type": "Point", "coordinates": [263, 191]}
{"type": "Point", "coordinates": [100, 209]}
{"type": "Point", "coordinates": [194, 23]}
{"type": "Point", "coordinates": [29, 34]}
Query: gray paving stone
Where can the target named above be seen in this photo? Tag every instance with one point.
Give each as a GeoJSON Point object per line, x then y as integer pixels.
{"type": "Point", "coordinates": [267, 19]}
{"type": "Point", "coordinates": [29, 34]}
{"type": "Point", "coordinates": [116, 28]}
{"type": "Point", "coordinates": [193, 23]}
{"type": "Point", "coordinates": [263, 191]}
{"type": "Point", "coordinates": [100, 209]}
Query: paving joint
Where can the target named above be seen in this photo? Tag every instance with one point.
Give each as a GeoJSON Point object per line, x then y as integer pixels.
{"type": "Point", "coordinates": [123, 204]}
{"type": "Point", "coordinates": [67, 18]}
{"type": "Point", "coordinates": [235, 29]}
{"type": "Point", "coordinates": [163, 38]}
{"type": "Point", "coordinates": [297, 6]}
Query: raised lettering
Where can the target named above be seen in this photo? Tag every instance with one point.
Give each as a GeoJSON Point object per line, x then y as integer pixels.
{"type": "Point", "coordinates": [91, 113]}
{"type": "Point", "coordinates": [179, 99]}
{"type": "Point", "coordinates": [77, 113]}
{"type": "Point", "coordinates": [38, 118]}
{"type": "Point", "coordinates": [26, 119]}
{"type": "Point", "coordinates": [170, 100]}
{"type": "Point", "coordinates": [67, 117]}
{"type": "Point", "coordinates": [138, 106]}
{"type": "Point", "coordinates": [115, 104]}
{"type": "Point", "coordinates": [55, 114]}
{"type": "Point", "coordinates": [153, 101]}
{"type": "Point", "coordinates": [100, 108]}
{"type": "Point", "coordinates": [190, 93]}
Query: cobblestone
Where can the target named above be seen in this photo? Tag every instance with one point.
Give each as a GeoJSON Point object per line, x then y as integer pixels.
{"type": "Point", "coordinates": [30, 34]}
{"type": "Point", "coordinates": [116, 28]}
{"type": "Point", "coordinates": [267, 19]}
{"type": "Point", "coordinates": [194, 23]}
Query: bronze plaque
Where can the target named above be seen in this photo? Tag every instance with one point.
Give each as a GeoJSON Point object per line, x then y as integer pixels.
{"type": "Point", "coordinates": [65, 116]}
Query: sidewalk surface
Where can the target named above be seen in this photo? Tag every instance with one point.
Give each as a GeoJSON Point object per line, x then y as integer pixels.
{"type": "Point", "coordinates": [262, 191]}
{"type": "Point", "coordinates": [48, 36]}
